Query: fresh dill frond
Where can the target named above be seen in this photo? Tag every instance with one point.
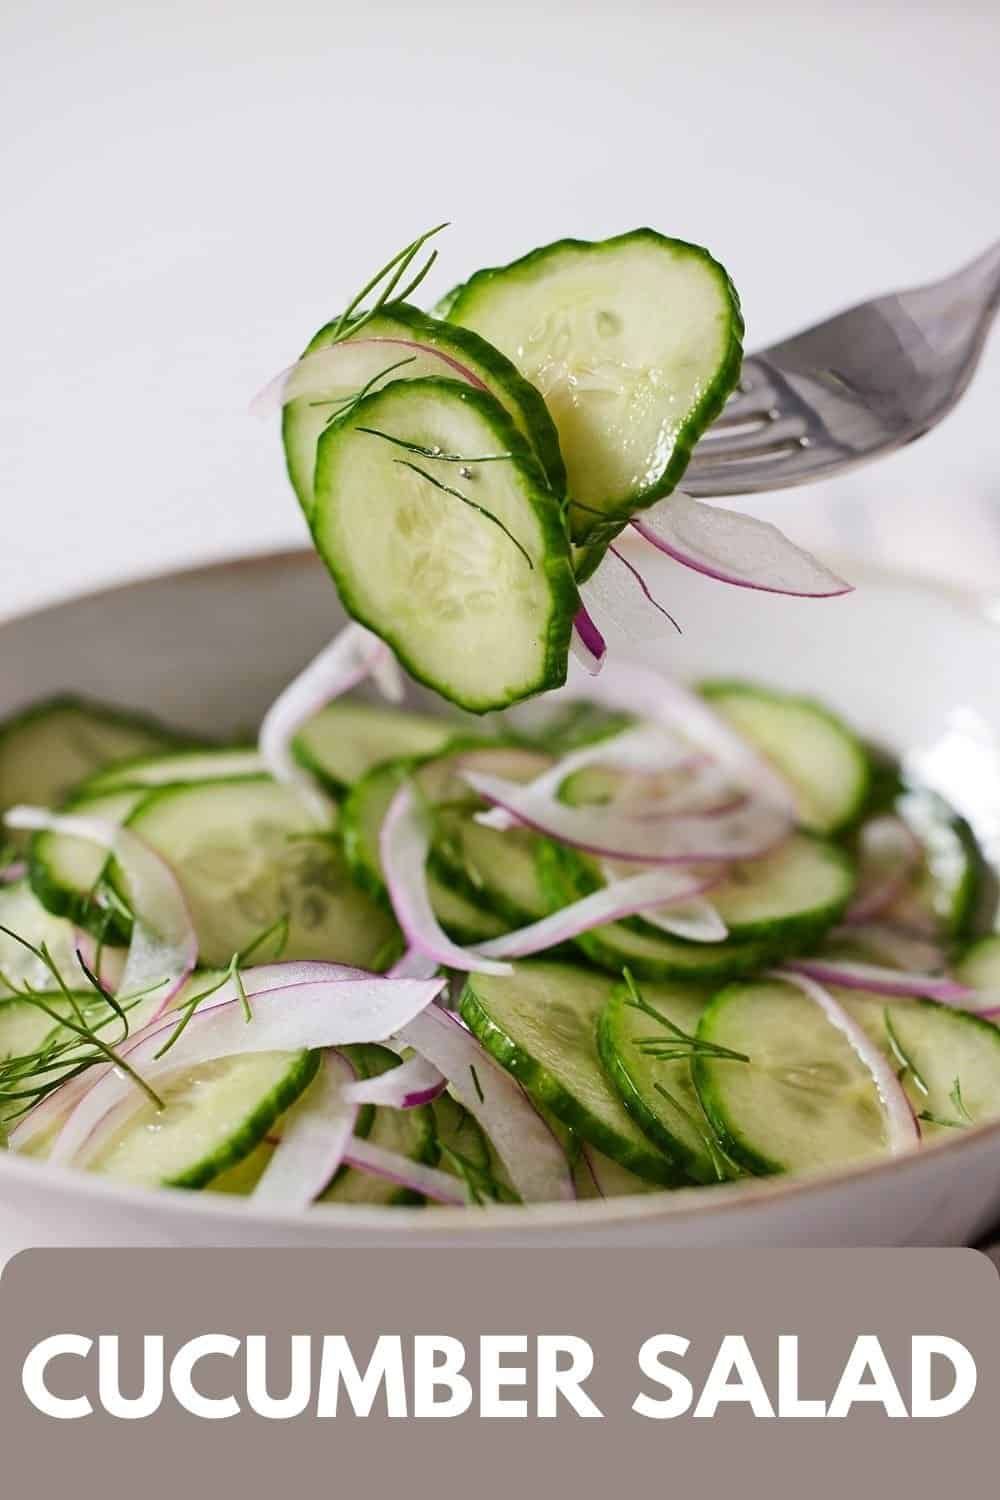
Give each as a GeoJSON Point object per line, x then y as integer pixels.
{"type": "Point", "coordinates": [679, 1043]}
{"type": "Point", "coordinates": [436, 453]}
{"type": "Point", "coordinates": [388, 279]}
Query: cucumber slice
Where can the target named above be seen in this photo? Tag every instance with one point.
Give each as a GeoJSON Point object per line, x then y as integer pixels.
{"type": "Point", "coordinates": [635, 343]}
{"type": "Point", "coordinates": [660, 1094]}
{"type": "Point", "coordinates": [361, 821]}
{"type": "Point", "coordinates": [66, 873]}
{"type": "Point", "coordinates": [819, 756]}
{"type": "Point", "coordinates": [565, 876]}
{"type": "Point", "coordinates": [540, 1024]}
{"type": "Point", "coordinates": [305, 419]}
{"type": "Point", "coordinates": [213, 1116]}
{"type": "Point", "coordinates": [979, 966]}
{"type": "Point", "coordinates": [465, 903]}
{"type": "Point", "coordinates": [48, 748]}
{"type": "Point", "coordinates": [950, 1059]}
{"type": "Point", "coordinates": [804, 1100]}
{"type": "Point", "coordinates": [408, 1132]}
{"type": "Point", "coordinates": [246, 855]}
{"type": "Point", "coordinates": [597, 1176]}
{"type": "Point", "coordinates": [175, 769]}
{"type": "Point", "coordinates": [471, 585]}
{"type": "Point", "coordinates": [951, 877]}
{"type": "Point", "coordinates": [22, 913]}
{"type": "Point", "coordinates": [345, 740]}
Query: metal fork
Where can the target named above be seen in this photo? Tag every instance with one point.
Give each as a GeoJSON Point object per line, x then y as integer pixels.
{"type": "Point", "coordinates": [851, 388]}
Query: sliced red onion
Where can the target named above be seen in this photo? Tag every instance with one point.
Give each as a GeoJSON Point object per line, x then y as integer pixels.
{"type": "Point", "coordinates": [394, 1167]}
{"type": "Point", "coordinates": [617, 596]}
{"type": "Point", "coordinates": [888, 852]}
{"type": "Point", "coordinates": [858, 976]}
{"type": "Point", "coordinates": [735, 548]}
{"type": "Point", "coordinates": [414, 965]}
{"type": "Point", "coordinates": [314, 1015]}
{"type": "Point", "coordinates": [645, 749]}
{"type": "Point", "coordinates": [349, 658]}
{"type": "Point", "coordinates": [264, 977]}
{"type": "Point", "coordinates": [745, 834]}
{"type": "Point", "coordinates": [112, 966]}
{"type": "Point", "coordinates": [414, 1082]}
{"type": "Point", "coordinates": [348, 365]}
{"type": "Point", "coordinates": [648, 892]}
{"type": "Point", "coordinates": [901, 1126]}
{"type": "Point", "coordinates": [163, 949]}
{"type": "Point", "coordinates": [631, 688]}
{"type": "Point", "coordinates": [587, 643]}
{"type": "Point", "coordinates": [16, 871]}
{"type": "Point", "coordinates": [692, 918]}
{"type": "Point", "coordinates": [533, 1157]}
{"type": "Point", "coordinates": [404, 844]}
{"type": "Point", "coordinates": [883, 942]}
{"type": "Point", "coordinates": [314, 1136]}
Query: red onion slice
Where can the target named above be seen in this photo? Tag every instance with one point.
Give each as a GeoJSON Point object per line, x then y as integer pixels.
{"type": "Point", "coordinates": [617, 598]}
{"type": "Point", "coordinates": [735, 548]}
{"type": "Point", "coordinates": [391, 1165]}
{"type": "Point", "coordinates": [888, 852]}
{"type": "Point", "coordinates": [56, 1106]}
{"type": "Point", "coordinates": [744, 834]}
{"type": "Point", "coordinates": [350, 657]}
{"type": "Point", "coordinates": [283, 1020]}
{"type": "Point", "coordinates": [648, 892]}
{"type": "Point", "coordinates": [15, 871]}
{"type": "Point", "coordinates": [901, 1126]}
{"type": "Point", "coordinates": [630, 688]}
{"type": "Point", "coordinates": [163, 949]}
{"type": "Point", "coordinates": [404, 844]}
{"type": "Point", "coordinates": [691, 918]}
{"type": "Point", "coordinates": [348, 366]}
{"type": "Point", "coordinates": [314, 1136]}
{"type": "Point", "coordinates": [533, 1157]}
{"type": "Point", "coordinates": [587, 643]}
{"type": "Point", "coordinates": [894, 982]}
{"type": "Point", "coordinates": [414, 1082]}
{"type": "Point", "coordinates": [884, 943]}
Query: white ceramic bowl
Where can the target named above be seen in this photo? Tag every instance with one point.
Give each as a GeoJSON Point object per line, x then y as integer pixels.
{"type": "Point", "coordinates": [912, 666]}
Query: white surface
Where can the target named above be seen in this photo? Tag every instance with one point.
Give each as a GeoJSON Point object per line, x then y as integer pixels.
{"type": "Point", "coordinates": [190, 187]}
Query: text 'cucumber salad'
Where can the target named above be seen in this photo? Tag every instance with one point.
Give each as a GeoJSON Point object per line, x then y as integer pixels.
{"type": "Point", "coordinates": [629, 937]}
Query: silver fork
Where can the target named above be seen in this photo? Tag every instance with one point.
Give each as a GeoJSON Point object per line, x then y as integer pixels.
{"type": "Point", "coordinates": [850, 389]}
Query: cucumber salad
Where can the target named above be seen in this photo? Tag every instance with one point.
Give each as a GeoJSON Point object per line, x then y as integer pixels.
{"type": "Point", "coordinates": [629, 936]}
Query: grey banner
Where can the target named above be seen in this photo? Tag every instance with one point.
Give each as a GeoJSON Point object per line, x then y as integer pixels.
{"type": "Point", "coordinates": [866, 1337]}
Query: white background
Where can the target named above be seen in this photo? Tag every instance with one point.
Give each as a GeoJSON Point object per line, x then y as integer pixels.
{"type": "Point", "coordinates": [188, 189]}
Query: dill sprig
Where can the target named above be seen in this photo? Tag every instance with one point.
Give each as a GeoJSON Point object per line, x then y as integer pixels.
{"type": "Point", "coordinates": [678, 1043]}
{"type": "Point", "coordinates": [351, 321]}
{"type": "Point", "coordinates": [28, 1078]}
{"type": "Point", "coordinates": [722, 1163]}
{"type": "Point", "coordinates": [436, 453]}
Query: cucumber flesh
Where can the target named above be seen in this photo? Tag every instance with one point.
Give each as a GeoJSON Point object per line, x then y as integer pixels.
{"type": "Point", "coordinates": [49, 748]}
{"type": "Point", "coordinates": [541, 1025]}
{"type": "Point", "coordinates": [213, 1116]}
{"type": "Point", "coordinates": [634, 342]}
{"type": "Point", "coordinates": [21, 912]}
{"type": "Point", "coordinates": [597, 1176]}
{"type": "Point", "coordinates": [66, 872]}
{"type": "Point", "coordinates": [804, 1101]}
{"type": "Point", "coordinates": [660, 1094]}
{"type": "Point", "coordinates": [823, 761]}
{"type": "Point", "coordinates": [174, 769]}
{"type": "Point", "coordinates": [247, 854]}
{"type": "Point", "coordinates": [944, 893]}
{"type": "Point", "coordinates": [979, 966]}
{"type": "Point", "coordinates": [305, 419]}
{"type": "Point", "coordinates": [471, 585]}
{"type": "Point", "coordinates": [346, 739]}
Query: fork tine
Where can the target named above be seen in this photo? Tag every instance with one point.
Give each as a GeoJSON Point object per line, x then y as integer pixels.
{"type": "Point", "coordinates": [766, 439]}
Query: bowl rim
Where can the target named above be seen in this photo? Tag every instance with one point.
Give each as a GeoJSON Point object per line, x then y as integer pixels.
{"type": "Point", "coordinates": [684, 1205]}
